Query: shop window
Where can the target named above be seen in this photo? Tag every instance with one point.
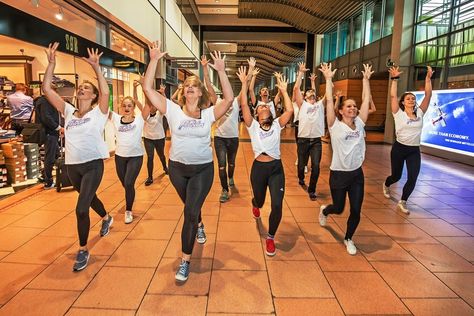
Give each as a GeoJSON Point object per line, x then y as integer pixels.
{"type": "Point", "coordinates": [126, 46]}
{"type": "Point", "coordinates": [388, 20]}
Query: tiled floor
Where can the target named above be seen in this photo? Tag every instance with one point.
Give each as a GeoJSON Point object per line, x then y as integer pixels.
{"type": "Point", "coordinates": [420, 264]}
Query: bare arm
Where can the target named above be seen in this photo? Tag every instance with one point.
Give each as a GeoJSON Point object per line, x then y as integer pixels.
{"type": "Point", "coordinates": [372, 108]}
{"type": "Point", "coordinates": [253, 98]}
{"type": "Point", "coordinates": [227, 94]}
{"type": "Point", "coordinates": [135, 95]}
{"type": "Point", "coordinates": [248, 119]}
{"type": "Point", "coordinates": [313, 77]}
{"type": "Point", "coordinates": [104, 93]}
{"type": "Point", "coordinates": [297, 88]}
{"type": "Point", "coordinates": [428, 90]}
{"type": "Point", "coordinates": [177, 94]}
{"type": "Point", "coordinates": [155, 98]}
{"type": "Point", "coordinates": [282, 84]}
{"type": "Point", "coordinates": [338, 99]}
{"type": "Point", "coordinates": [364, 107]}
{"type": "Point", "coordinates": [52, 96]}
{"type": "Point", "coordinates": [328, 74]}
{"type": "Point", "coordinates": [394, 75]}
{"type": "Point", "coordinates": [207, 80]}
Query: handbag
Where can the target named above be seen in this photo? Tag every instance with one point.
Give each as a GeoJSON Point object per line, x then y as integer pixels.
{"type": "Point", "coordinates": [34, 132]}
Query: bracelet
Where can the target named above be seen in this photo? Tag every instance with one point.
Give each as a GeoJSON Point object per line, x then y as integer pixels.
{"type": "Point", "coordinates": [395, 78]}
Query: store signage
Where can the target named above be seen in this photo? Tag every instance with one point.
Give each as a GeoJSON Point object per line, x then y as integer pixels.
{"type": "Point", "coordinates": [71, 43]}
{"type": "Point", "coordinates": [185, 63]}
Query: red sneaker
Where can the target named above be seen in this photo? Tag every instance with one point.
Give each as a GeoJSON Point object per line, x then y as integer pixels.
{"type": "Point", "coordinates": [256, 212]}
{"type": "Point", "coordinates": [270, 250]}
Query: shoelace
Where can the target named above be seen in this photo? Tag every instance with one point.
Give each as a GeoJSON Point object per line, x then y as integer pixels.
{"type": "Point", "coordinates": [183, 268]}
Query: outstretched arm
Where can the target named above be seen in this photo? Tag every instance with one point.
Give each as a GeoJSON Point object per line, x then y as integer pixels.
{"type": "Point", "coordinates": [155, 98]}
{"type": "Point", "coordinates": [177, 94]}
{"type": "Point", "coordinates": [282, 84]}
{"type": "Point", "coordinates": [244, 105]}
{"type": "Point", "coordinates": [227, 94]}
{"type": "Point", "coordinates": [394, 76]}
{"type": "Point", "coordinates": [207, 80]}
{"type": "Point", "coordinates": [313, 77]}
{"type": "Point", "coordinates": [104, 93]}
{"type": "Point", "coordinates": [428, 90]}
{"type": "Point", "coordinates": [372, 108]}
{"type": "Point", "coordinates": [328, 74]}
{"type": "Point", "coordinates": [297, 88]}
{"type": "Point", "coordinates": [135, 94]}
{"type": "Point", "coordinates": [52, 96]}
{"type": "Point", "coordinates": [253, 98]}
{"type": "Point", "coordinates": [364, 107]}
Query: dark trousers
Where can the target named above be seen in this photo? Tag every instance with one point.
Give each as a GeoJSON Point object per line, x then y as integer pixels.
{"type": "Point", "coordinates": [309, 147]}
{"type": "Point", "coordinates": [399, 154]}
{"type": "Point", "coordinates": [85, 178]}
{"type": "Point", "coordinates": [271, 175]}
{"type": "Point", "coordinates": [342, 183]}
{"type": "Point", "coordinates": [297, 123]}
{"type": "Point", "coordinates": [192, 183]}
{"type": "Point", "coordinates": [18, 125]}
{"type": "Point", "coordinates": [150, 146]}
{"type": "Point", "coordinates": [51, 148]}
{"type": "Point", "coordinates": [226, 151]}
{"type": "Point", "coordinates": [128, 169]}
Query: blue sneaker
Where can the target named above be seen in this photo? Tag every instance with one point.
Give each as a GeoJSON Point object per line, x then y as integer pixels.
{"type": "Point", "coordinates": [183, 271]}
{"type": "Point", "coordinates": [82, 259]}
{"type": "Point", "coordinates": [201, 235]}
{"type": "Point", "coordinates": [106, 224]}
{"type": "Point", "coordinates": [231, 182]}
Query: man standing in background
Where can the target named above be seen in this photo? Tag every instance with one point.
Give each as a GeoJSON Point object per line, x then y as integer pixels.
{"type": "Point", "coordinates": [21, 106]}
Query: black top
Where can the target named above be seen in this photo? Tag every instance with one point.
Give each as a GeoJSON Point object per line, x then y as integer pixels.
{"type": "Point", "coordinates": [47, 115]}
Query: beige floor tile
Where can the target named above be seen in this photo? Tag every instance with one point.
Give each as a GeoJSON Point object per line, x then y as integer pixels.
{"type": "Point", "coordinates": [153, 229]}
{"type": "Point", "coordinates": [438, 307]}
{"type": "Point", "coordinates": [14, 276]}
{"type": "Point", "coordinates": [244, 202]}
{"type": "Point", "coordinates": [166, 212]}
{"type": "Point", "coordinates": [438, 227]}
{"type": "Point", "coordinates": [364, 293]}
{"type": "Point", "coordinates": [25, 207]}
{"type": "Point", "coordinates": [7, 219]}
{"type": "Point", "coordinates": [384, 216]}
{"type": "Point", "coordinates": [3, 254]}
{"type": "Point", "coordinates": [166, 199]}
{"type": "Point", "coordinates": [114, 287]}
{"type": "Point", "coordinates": [173, 305]}
{"type": "Point", "coordinates": [314, 233]}
{"type": "Point", "coordinates": [40, 250]}
{"type": "Point", "coordinates": [245, 292]}
{"type": "Point", "coordinates": [138, 254]}
{"type": "Point", "coordinates": [407, 233]}
{"type": "Point", "coordinates": [39, 219]}
{"type": "Point", "coordinates": [381, 249]}
{"type": "Point", "coordinates": [298, 279]}
{"type": "Point", "coordinates": [463, 246]}
{"type": "Point", "coordinates": [59, 275]}
{"type": "Point", "coordinates": [66, 227]}
{"type": "Point", "coordinates": [101, 246]}
{"type": "Point", "coordinates": [238, 231]}
{"type": "Point", "coordinates": [239, 256]}
{"type": "Point", "coordinates": [206, 250]}
{"type": "Point", "coordinates": [422, 283]}
{"type": "Point", "coordinates": [236, 214]}
{"type": "Point", "coordinates": [210, 208]}
{"type": "Point", "coordinates": [438, 258]}
{"type": "Point", "coordinates": [32, 302]}
{"type": "Point", "coordinates": [164, 281]}
{"type": "Point", "coordinates": [461, 283]}
{"type": "Point", "coordinates": [102, 312]}
{"type": "Point", "coordinates": [290, 247]}
{"type": "Point", "coordinates": [13, 237]}
{"type": "Point", "coordinates": [334, 257]}
{"type": "Point", "coordinates": [307, 306]}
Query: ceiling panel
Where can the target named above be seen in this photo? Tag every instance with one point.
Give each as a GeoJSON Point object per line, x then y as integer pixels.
{"type": "Point", "coordinates": [217, 10]}
{"type": "Point", "coordinates": [217, 2]}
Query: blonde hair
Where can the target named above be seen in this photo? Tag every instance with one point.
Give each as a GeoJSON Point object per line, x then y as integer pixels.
{"type": "Point", "coordinates": [203, 100]}
{"type": "Point", "coordinates": [128, 98]}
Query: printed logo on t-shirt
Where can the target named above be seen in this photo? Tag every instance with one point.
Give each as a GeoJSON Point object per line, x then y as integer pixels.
{"type": "Point", "coordinates": [126, 128]}
{"type": "Point", "coordinates": [77, 122]}
{"type": "Point", "coordinates": [352, 135]}
{"type": "Point", "coordinates": [186, 124]}
{"type": "Point", "coordinates": [263, 134]}
{"type": "Point", "coordinates": [311, 109]}
{"type": "Point", "coordinates": [413, 121]}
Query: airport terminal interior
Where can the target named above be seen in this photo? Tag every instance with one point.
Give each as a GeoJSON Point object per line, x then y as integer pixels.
{"type": "Point", "coordinates": [351, 191]}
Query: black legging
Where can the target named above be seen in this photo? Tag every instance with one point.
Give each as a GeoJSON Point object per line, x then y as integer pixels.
{"type": "Point", "coordinates": [399, 154]}
{"type": "Point", "coordinates": [342, 182]}
{"type": "Point", "coordinates": [309, 147]}
{"type": "Point", "coordinates": [271, 175]}
{"type": "Point", "coordinates": [128, 169]}
{"type": "Point", "coordinates": [85, 178]}
{"type": "Point", "coordinates": [150, 146]}
{"type": "Point", "coordinates": [193, 183]}
{"type": "Point", "coordinates": [226, 151]}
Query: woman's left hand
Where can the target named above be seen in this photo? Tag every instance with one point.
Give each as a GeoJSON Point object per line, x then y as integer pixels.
{"type": "Point", "coordinates": [219, 61]}
{"type": "Point", "coordinates": [94, 57]}
{"type": "Point", "coordinates": [367, 72]}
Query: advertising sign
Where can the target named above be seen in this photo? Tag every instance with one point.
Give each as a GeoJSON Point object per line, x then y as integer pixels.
{"type": "Point", "coordinates": [449, 122]}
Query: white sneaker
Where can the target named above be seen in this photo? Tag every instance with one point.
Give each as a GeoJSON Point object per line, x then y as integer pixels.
{"type": "Point", "coordinates": [386, 190]}
{"type": "Point", "coordinates": [305, 169]}
{"type": "Point", "coordinates": [128, 217]}
{"type": "Point", "coordinates": [322, 218]}
{"type": "Point", "coordinates": [296, 162]}
{"type": "Point", "coordinates": [350, 247]}
{"type": "Point", "coordinates": [402, 206]}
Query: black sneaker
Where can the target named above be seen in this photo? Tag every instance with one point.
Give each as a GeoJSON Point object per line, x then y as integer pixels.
{"type": "Point", "coordinates": [312, 196]}
{"type": "Point", "coordinates": [82, 259]}
{"type": "Point", "coordinates": [148, 181]}
{"type": "Point", "coordinates": [301, 182]}
{"type": "Point", "coordinates": [106, 224]}
{"type": "Point", "coordinates": [166, 171]}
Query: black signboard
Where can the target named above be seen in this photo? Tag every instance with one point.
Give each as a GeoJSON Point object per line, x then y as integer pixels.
{"type": "Point", "coordinates": [185, 63]}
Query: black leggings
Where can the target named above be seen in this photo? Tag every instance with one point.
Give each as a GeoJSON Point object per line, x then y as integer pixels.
{"type": "Point", "coordinates": [271, 175]}
{"type": "Point", "coordinates": [150, 146]}
{"type": "Point", "coordinates": [193, 183]}
{"type": "Point", "coordinates": [85, 178]}
{"type": "Point", "coordinates": [342, 182]}
{"type": "Point", "coordinates": [297, 123]}
{"type": "Point", "coordinates": [399, 154]}
{"type": "Point", "coordinates": [226, 151]}
{"type": "Point", "coordinates": [128, 169]}
{"type": "Point", "coordinates": [309, 147]}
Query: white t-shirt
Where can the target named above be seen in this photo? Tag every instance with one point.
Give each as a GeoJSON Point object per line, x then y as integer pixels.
{"type": "Point", "coordinates": [84, 136]}
{"type": "Point", "coordinates": [311, 118]}
{"type": "Point", "coordinates": [190, 137]}
{"type": "Point", "coordinates": [128, 136]}
{"type": "Point", "coordinates": [270, 105]}
{"type": "Point", "coordinates": [296, 111]}
{"type": "Point", "coordinates": [228, 125]}
{"type": "Point", "coordinates": [265, 141]}
{"type": "Point", "coordinates": [408, 130]}
{"type": "Point", "coordinates": [348, 145]}
{"type": "Point", "coordinates": [153, 128]}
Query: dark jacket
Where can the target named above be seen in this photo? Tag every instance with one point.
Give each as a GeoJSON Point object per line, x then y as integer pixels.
{"type": "Point", "coordinates": [47, 115]}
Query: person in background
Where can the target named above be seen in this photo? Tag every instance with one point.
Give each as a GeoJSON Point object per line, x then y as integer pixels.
{"type": "Point", "coordinates": [21, 107]}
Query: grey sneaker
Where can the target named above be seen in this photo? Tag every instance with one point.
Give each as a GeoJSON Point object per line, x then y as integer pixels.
{"type": "Point", "coordinates": [224, 196]}
{"type": "Point", "coordinates": [386, 190]}
{"type": "Point", "coordinates": [231, 182]}
{"type": "Point", "coordinates": [322, 218]}
{"type": "Point", "coordinates": [82, 258]}
{"type": "Point", "coordinates": [106, 224]}
{"type": "Point", "coordinates": [201, 235]}
{"type": "Point", "coordinates": [128, 217]}
{"type": "Point", "coordinates": [402, 206]}
{"type": "Point", "coordinates": [183, 271]}
{"type": "Point", "coordinates": [350, 247]}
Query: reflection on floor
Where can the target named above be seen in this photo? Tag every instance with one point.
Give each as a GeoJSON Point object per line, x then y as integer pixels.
{"type": "Point", "coordinates": [418, 264]}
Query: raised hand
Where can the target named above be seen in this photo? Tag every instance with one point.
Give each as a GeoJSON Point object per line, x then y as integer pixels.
{"type": "Point", "coordinates": [282, 83]}
{"type": "Point", "coordinates": [302, 67]}
{"type": "Point", "coordinates": [136, 83]}
{"type": "Point", "coordinates": [313, 76]}
{"type": "Point", "coordinates": [367, 72]}
{"type": "Point", "coordinates": [252, 62]}
{"type": "Point", "coordinates": [278, 75]}
{"type": "Point", "coordinates": [204, 60]}
{"type": "Point", "coordinates": [180, 86]}
{"type": "Point", "coordinates": [94, 57]}
{"type": "Point", "coordinates": [51, 52]}
{"type": "Point", "coordinates": [256, 71]}
{"type": "Point", "coordinates": [155, 51]}
{"type": "Point", "coordinates": [162, 89]}
{"type": "Point", "coordinates": [219, 61]}
{"type": "Point", "coordinates": [394, 72]}
{"type": "Point", "coordinates": [242, 74]}
{"type": "Point", "coordinates": [429, 72]}
{"type": "Point", "coordinates": [327, 71]}
{"type": "Point", "coordinates": [338, 93]}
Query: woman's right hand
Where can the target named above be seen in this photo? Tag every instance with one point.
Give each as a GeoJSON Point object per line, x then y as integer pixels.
{"type": "Point", "coordinates": [242, 74]}
{"type": "Point", "coordinates": [394, 72]}
{"type": "Point", "coordinates": [327, 71]}
{"type": "Point", "coordinates": [155, 51]}
{"type": "Point", "coordinates": [256, 71]}
{"type": "Point", "coordinates": [51, 52]}
{"type": "Point", "coordinates": [282, 84]}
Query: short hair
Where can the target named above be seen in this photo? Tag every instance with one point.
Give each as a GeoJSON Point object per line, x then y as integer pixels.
{"type": "Point", "coordinates": [203, 100]}
{"type": "Point", "coordinates": [21, 87]}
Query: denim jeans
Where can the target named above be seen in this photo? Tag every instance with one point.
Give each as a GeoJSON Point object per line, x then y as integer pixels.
{"type": "Point", "coordinates": [226, 151]}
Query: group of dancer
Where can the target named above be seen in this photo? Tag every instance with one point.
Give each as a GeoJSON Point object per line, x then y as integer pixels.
{"type": "Point", "coordinates": [190, 167]}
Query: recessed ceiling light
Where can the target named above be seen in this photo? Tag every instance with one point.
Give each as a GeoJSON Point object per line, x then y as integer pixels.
{"type": "Point", "coordinates": [218, 10]}
{"type": "Point", "coordinates": [60, 15]}
{"type": "Point", "coordinates": [124, 48]}
{"type": "Point", "coordinates": [217, 1]}
{"type": "Point", "coordinates": [250, 10]}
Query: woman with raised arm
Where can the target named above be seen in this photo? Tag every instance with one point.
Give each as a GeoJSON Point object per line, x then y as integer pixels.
{"type": "Point", "coordinates": [267, 169]}
{"type": "Point", "coordinates": [207, 80]}
{"type": "Point", "coordinates": [346, 127]}
{"type": "Point", "coordinates": [264, 97]}
{"type": "Point", "coordinates": [191, 162]}
{"type": "Point", "coordinates": [85, 146]}
{"type": "Point", "coordinates": [408, 125]}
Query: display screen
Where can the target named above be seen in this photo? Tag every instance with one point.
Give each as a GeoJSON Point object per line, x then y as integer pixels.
{"type": "Point", "coordinates": [449, 122]}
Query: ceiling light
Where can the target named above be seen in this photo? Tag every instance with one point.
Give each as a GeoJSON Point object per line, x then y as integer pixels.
{"type": "Point", "coordinates": [131, 52]}
{"type": "Point", "coordinates": [35, 3]}
{"type": "Point", "coordinates": [250, 10]}
{"type": "Point", "coordinates": [217, 1]}
{"type": "Point", "coordinates": [218, 10]}
{"type": "Point", "coordinates": [124, 48]}
{"type": "Point", "coordinates": [60, 15]}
